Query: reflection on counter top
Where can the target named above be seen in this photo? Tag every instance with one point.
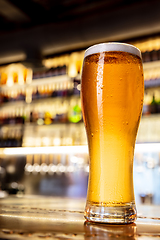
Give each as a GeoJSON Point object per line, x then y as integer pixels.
{"type": "Point", "coordinates": [34, 217]}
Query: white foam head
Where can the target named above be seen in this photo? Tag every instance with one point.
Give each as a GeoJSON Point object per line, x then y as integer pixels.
{"type": "Point", "coordinates": [112, 46]}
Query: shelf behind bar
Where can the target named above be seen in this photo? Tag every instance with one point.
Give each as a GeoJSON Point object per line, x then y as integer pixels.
{"type": "Point", "coordinates": [152, 83]}
{"type": "Point", "coordinates": [44, 150]}
{"type": "Point", "coordinates": [48, 100]}
{"type": "Point", "coordinates": [37, 82]}
{"type": "Point", "coordinates": [82, 149]}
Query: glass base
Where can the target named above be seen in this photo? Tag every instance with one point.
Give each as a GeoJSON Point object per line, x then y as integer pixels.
{"type": "Point", "coordinates": [114, 215]}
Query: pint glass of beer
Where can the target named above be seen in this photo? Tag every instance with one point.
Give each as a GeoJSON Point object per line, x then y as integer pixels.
{"type": "Point", "coordinates": [112, 98]}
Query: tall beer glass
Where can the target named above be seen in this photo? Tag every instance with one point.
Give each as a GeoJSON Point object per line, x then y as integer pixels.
{"type": "Point", "coordinates": [112, 98]}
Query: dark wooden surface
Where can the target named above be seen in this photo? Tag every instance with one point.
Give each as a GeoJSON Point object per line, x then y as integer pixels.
{"type": "Point", "coordinates": [32, 217]}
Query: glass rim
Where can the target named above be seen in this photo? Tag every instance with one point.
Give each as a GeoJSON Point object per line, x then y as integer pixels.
{"type": "Point", "coordinates": [112, 47]}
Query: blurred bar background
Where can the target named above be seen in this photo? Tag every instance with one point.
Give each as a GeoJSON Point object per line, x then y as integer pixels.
{"type": "Point", "coordinates": [43, 145]}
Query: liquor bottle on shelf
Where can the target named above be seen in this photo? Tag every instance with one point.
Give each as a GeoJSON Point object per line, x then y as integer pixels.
{"type": "Point", "coordinates": [33, 116]}
{"type": "Point", "coordinates": [158, 106]}
{"type": "Point", "coordinates": [15, 77]}
{"type": "Point", "coordinates": [4, 97]}
{"type": "Point", "coordinates": [151, 102]}
{"type": "Point", "coordinates": [47, 91]}
{"type": "Point", "coordinates": [60, 90]}
{"type": "Point", "coordinates": [57, 89]}
{"type": "Point", "coordinates": [4, 77]}
{"type": "Point", "coordinates": [18, 137]}
{"type": "Point", "coordinates": [52, 72]}
{"type": "Point", "coordinates": [4, 118]}
{"type": "Point", "coordinates": [146, 56]}
{"type": "Point", "coordinates": [12, 117]}
{"type": "Point", "coordinates": [3, 139]}
{"type": "Point", "coordinates": [48, 118]}
{"type": "Point", "coordinates": [75, 113]}
{"type": "Point", "coordinates": [54, 93]}
{"type": "Point", "coordinates": [76, 90]}
{"type": "Point", "coordinates": [153, 105]}
{"type": "Point", "coordinates": [11, 138]}
{"type": "Point", "coordinates": [157, 96]}
{"type": "Point", "coordinates": [20, 116]}
{"type": "Point", "coordinates": [50, 87]}
{"type": "Point", "coordinates": [35, 93]}
{"type": "Point", "coordinates": [64, 89]}
{"type": "Point", "coordinates": [40, 120]}
{"type": "Point", "coordinates": [13, 95]}
{"type": "Point", "coordinates": [70, 87]}
{"type": "Point", "coordinates": [21, 95]}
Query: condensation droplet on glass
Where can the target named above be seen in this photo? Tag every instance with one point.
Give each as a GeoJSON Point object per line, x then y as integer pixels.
{"type": "Point", "coordinates": [92, 134]}
{"type": "Point", "coordinates": [127, 123]}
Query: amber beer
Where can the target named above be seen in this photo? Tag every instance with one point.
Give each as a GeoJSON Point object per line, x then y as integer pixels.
{"type": "Point", "coordinates": [112, 98]}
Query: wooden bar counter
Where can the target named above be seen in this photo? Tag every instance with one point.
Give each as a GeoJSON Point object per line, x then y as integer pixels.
{"type": "Point", "coordinates": [31, 217]}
